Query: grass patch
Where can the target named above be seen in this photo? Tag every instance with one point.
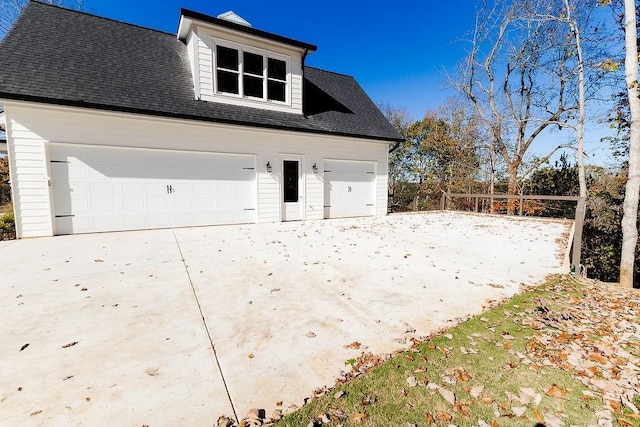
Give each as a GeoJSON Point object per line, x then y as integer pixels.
{"type": "Point", "coordinates": [509, 366]}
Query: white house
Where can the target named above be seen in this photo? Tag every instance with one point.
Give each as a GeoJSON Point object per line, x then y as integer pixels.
{"type": "Point", "coordinates": [111, 126]}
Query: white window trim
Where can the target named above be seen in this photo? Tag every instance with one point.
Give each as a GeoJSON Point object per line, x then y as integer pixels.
{"type": "Point", "coordinates": [265, 79]}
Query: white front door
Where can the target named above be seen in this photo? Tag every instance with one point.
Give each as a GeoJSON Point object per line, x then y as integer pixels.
{"type": "Point", "coordinates": [292, 189]}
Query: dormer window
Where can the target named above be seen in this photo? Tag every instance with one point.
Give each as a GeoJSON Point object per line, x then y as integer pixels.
{"type": "Point", "coordinates": [254, 74]}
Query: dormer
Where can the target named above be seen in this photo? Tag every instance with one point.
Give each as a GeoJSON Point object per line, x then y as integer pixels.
{"type": "Point", "coordinates": [234, 63]}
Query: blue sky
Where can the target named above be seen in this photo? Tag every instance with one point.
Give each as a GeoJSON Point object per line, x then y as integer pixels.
{"type": "Point", "coordinates": [398, 51]}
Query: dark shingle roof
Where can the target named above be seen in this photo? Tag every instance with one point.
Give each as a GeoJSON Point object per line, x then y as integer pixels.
{"type": "Point", "coordinates": [55, 55]}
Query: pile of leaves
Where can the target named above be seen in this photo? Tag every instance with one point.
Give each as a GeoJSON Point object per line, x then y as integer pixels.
{"type": "Point", "coordinates": [564, 353]}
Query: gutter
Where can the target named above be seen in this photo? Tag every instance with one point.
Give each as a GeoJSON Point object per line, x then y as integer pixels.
{"type": "Point", "coordinates": [304, 57]}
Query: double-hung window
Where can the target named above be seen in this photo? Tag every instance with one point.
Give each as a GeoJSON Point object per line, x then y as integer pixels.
{"type": "Point", "coordinates": [249, 74]}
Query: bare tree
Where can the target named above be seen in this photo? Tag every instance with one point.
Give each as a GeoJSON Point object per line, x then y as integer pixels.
{"type": "Point", "coordinates": [10, 10]}
{"type": "Point", "coordinates": [401, 119]}
{"type": "Point", "coordinates": [632, 191]}
{"type": "Point", "coordinates": [520, 76]}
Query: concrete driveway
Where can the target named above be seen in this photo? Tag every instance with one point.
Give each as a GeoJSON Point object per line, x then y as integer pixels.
{"type": "Point", "coordinates": [177, 327]}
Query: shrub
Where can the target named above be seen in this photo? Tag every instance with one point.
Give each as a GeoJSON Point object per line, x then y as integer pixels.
{"type": "Point", "coordinates": [7, 225]}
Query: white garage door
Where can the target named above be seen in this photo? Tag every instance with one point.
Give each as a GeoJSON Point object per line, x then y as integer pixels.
{"type": "Point", "coordinates": [349, 188]}
{"type": "Point", "coordinates": [109, 189]}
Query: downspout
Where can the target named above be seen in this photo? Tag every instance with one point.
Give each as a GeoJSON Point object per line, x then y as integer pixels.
{"type": "Point", "coordinates": [304, 56]}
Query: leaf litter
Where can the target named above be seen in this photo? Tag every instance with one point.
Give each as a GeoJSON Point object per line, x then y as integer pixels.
{"type": "Point", "coordinates": [573, 358]}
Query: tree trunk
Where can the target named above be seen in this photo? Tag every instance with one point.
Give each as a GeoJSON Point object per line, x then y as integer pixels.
{"type": "Point", "coordinates": [512, 189]}
{"type": "Point", "coordinates": [632, 191]}
{"type": "Point", "coordinates": [582, 179]}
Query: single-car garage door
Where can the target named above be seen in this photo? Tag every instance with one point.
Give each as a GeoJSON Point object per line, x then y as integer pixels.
{"type": "Point", "coordinates": [349, 188]}
{"type": "Point", "coordinates": [96, 188]}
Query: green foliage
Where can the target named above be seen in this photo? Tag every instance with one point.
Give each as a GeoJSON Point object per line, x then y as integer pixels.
{"type": "Point", "coordinates": [602, 234]}
{"type": "Point", "coordinates": [7, 225]}
{"type": "Point", "coordinates": [602, 241]}
{"type": "Point", "coordinates": [560, 180]}
{"type": "Point", "coordinates": [4, 170]}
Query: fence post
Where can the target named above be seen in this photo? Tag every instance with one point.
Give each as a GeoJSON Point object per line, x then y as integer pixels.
{"type": "Point", "coordinates": [442, 201]}
{"type": "Point", "coordinates": [577, 235]}
{"type": "Point", "coordinates": [476, 204]}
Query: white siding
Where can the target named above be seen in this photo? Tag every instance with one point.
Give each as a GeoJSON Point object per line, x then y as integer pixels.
{"type": "Point", "coordinates": [192, 44]}
{"type": "Point", "coordinates": [33, 126]}
{"type": "Point", "coordinates": [29, 179]}
{"type": "Point", "coordinates": [204, 65]}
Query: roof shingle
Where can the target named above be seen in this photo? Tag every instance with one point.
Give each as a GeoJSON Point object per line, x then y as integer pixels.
{"type": "Point", "coordinates": [59, 56]}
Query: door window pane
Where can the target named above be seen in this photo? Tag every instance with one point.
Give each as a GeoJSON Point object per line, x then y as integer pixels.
{"type": "Point", "coordinates": [290, 175]}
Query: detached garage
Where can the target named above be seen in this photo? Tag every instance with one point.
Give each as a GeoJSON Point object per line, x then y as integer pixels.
{"type": "Point", "coordinates": [112, 127]}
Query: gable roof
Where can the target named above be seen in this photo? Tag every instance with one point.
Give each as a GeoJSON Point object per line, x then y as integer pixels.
{"type": "Point", "coordinates": [190, 14]}
{"type": "Point", "coordinates": [59, 56]}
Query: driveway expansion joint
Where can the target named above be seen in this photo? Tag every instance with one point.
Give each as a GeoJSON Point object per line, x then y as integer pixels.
{"type": "Point", "coordinates": [206, 327]}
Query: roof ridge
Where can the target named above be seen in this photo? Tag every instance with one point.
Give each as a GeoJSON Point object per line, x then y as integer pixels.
{"type": "Point", "coordinates": [329, 71]}
{"type": "Point", "coordinates": [84, 12]}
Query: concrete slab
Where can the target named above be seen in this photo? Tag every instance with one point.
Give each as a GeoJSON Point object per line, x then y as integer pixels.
{"type": "Point", "coordinates": [141, 349]}
{"type": "Point", "coordinates": [281, 302]}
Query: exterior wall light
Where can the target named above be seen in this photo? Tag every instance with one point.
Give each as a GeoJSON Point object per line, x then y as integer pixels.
{"type": "Point", "coordinates": [315, 169]}
{"type": "Point", "coordinates": [269, 167]}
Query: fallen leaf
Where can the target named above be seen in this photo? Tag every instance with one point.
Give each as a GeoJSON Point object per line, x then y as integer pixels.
{"type": "Point", "coordinates": [463, 409]}
{"type": "Point", "coordinates": [443, 416]}
{"type": "Point", "coordinates": [624, 422]}
{"type": "Point", "coordinates": [353, 346]}
{"type": "Point", "coordinates": [495, 424]}
{"type": "Point", "coordinates": [519, 410]}
{"type": "Point", "coordinates": [597, 358]}
{"type": "Point", "coordinates": [476, 391]}
{"type": "Point", "coordinates": [24, 346]}
{"type": "Point", "coordinates": [310, 335]}
{"type": "Point", "coordinates": [359, 418]}
{"type": "Point", "coordinates": [447, 395]}
{"type": "Point", "coordinates": [556, 391]}
{"type": "Point", "coordinates": [536, 413]}
{"type": "Point", "coordinates": [251, 356]}
{"type": "Point", "coordinates": [430, 418]}
{"type": "Point", "coordinates": [71, 344]}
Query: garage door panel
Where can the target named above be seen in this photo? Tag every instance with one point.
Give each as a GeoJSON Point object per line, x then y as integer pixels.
{"type": "Point", "coordinates": [349, 188]}
{"type": "Point", "coordinates": [105, 189]}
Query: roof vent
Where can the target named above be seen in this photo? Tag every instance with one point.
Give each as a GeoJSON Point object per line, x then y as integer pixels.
{"type": "Point", "coordinates": [231, 16]}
